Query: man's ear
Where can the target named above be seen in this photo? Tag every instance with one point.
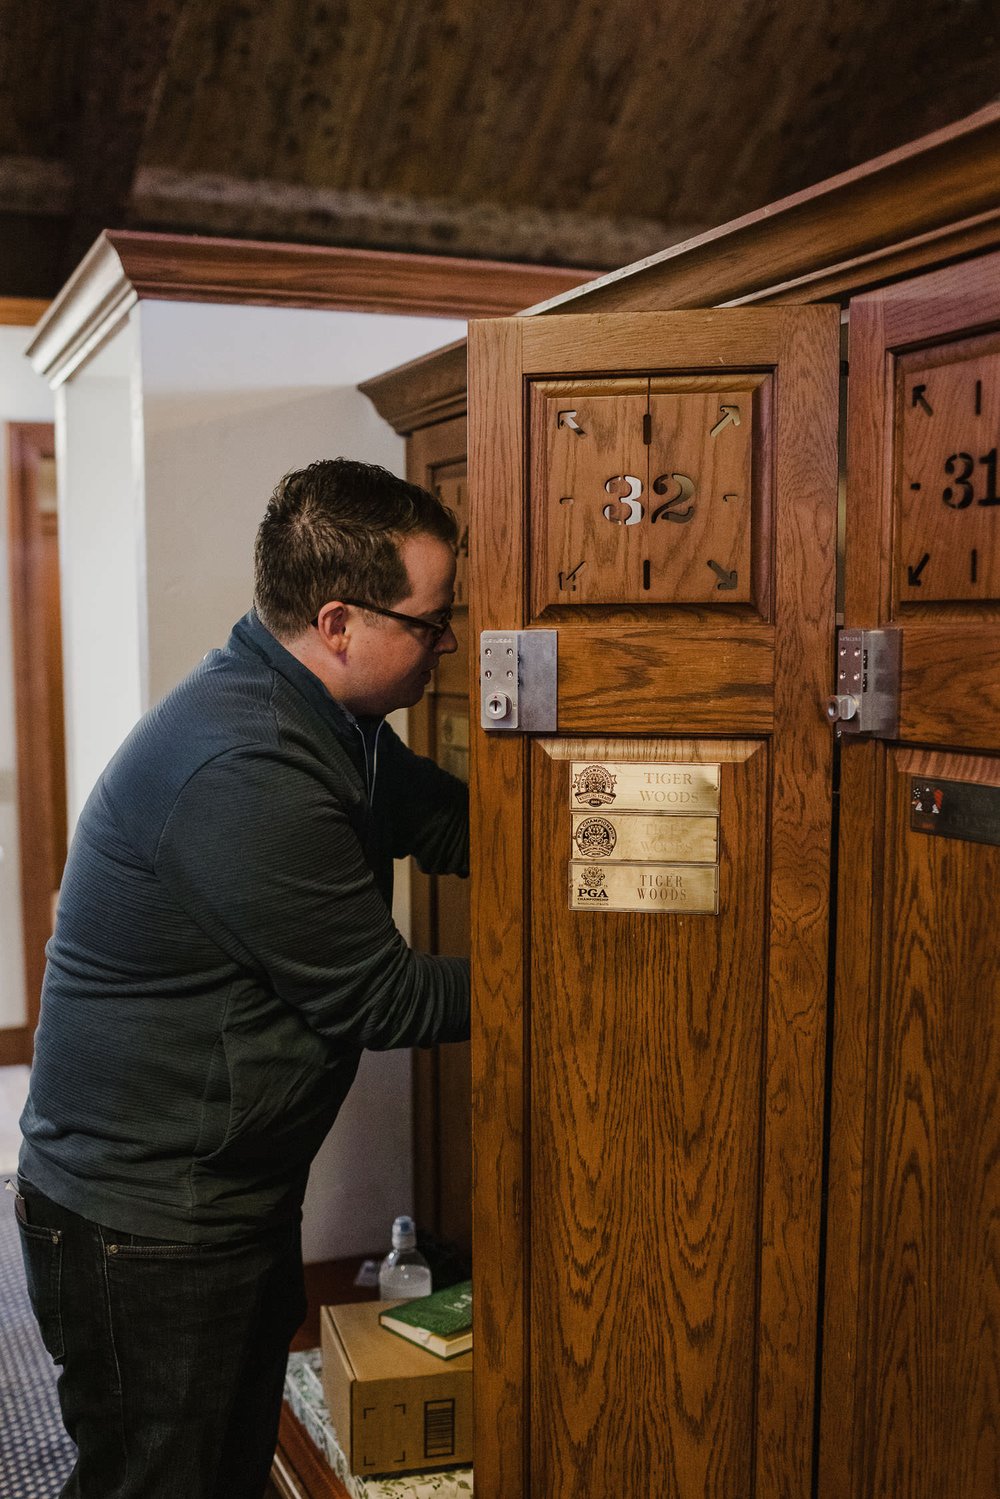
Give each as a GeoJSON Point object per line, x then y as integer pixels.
{"type": "Point", "coordinates": [331, 623]}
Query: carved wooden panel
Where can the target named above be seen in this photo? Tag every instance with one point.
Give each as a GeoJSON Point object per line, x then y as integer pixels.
{"type": "Point", "coordinates": [934, 1295]}
{"type": "Point", "coordinates": [947, 484]}
{"type": "Point", "coordinates": [644, 490]}
{"type": "Point", "coordinates": [646, 1098]}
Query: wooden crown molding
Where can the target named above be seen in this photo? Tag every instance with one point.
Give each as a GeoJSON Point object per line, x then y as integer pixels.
{"type": "Point", "coordinates": [125, 266]}
{"type": "Point", "coordinates": [935, 200]}
{"type": "Point", "coordinates": [856, 222]}
{"type": "Point", "coordinates": [430, 389]}
{"type": "Point", "coordinates": [22, 312]}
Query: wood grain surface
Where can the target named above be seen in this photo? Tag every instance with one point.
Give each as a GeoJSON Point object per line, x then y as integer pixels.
{"type": "Point", "coordinates": [202, 268]}
{"type": "Point", "coordinates": [703, 680]}
{"type": "Point", "coordinates": [22, 312]}
{"type": "Point", "coordinates": [38, 694]}
{"type": "Point", "coordinates": [442, 1104]}
{"type": "Point", "coordinates": [681, 458]}
{"type": "Point", "coordinates": [424, 391]}
{"type": "Point", "coordinates": [933, 1378]}
{"type": "Point", "coordinates": [722, 1153]}
{"type": "Point", "coordinates": [499, 850]}
{"type": "Point", "coordinates": [950, 692]}
{"type": "Point", "coordinates": [910, 1368]}
{"type": "Point", "coordinates": [804, 521]}
{"type": "Point", "coordinates": [947, 473]}
{"type": "Point", "coordinates": [645, 1131]}
{"type": "Point", "coordinates": [860, 852]}
{"type": "Point", "coordinates": [123, 266]}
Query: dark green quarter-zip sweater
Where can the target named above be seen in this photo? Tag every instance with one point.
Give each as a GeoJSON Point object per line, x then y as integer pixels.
{"type": "Point", "coordinates": [224, 949]}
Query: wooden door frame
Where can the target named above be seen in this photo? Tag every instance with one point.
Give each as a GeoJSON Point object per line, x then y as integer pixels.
{"type": "Point", "coordinates": [28, 443]}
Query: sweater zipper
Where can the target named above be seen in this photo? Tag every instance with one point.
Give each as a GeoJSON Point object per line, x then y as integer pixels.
{"type": "Point", "coordinates": [370, 779]}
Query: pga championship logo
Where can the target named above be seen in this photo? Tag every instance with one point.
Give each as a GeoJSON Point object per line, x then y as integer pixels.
{"type": "Point", "coordinates": [595, 838]}
{"type": "Point", "coordinates": [594, 786]}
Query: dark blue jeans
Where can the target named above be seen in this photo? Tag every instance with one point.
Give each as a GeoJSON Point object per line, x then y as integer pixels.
{"type": "Point", "coordinates": [173, 1355]}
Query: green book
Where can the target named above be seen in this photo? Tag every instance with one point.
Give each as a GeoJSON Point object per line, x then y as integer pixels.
{"type": "Point", "coordinates": [440, 1322]}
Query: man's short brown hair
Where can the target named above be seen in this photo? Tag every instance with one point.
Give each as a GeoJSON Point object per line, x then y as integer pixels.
{"type": "Point", "coordinates": [332, 530]}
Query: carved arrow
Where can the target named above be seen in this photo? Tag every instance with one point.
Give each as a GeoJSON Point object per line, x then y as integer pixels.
{"type": "Point", "coordinates": [913, 573]}
{"type": "Point", "coordinates": [729, 414]}
{"type": "Point", "coordinates": [568, 419]}
{"type": "Point", "coordinates": [726, 579]}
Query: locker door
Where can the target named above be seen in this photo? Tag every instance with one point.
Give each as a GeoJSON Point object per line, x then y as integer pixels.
{"type": "Point", "coordinates": [650, 900]}
{"type": "Point", "coordinates": [911, 1404]}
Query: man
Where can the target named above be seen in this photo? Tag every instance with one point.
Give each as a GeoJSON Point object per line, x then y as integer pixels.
{"type": "Point", "coordinates": [224, 951]}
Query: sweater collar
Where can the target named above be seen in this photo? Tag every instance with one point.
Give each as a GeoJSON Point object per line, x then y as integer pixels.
{"type": "Point", "coordinates": [249, 635]}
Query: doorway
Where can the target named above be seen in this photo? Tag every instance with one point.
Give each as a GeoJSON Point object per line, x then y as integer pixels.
{"type": "Point", "coordinates": [38, 704]}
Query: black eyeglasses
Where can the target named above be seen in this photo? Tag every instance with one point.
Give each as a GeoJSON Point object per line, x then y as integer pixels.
{"type": "Point", "coordinates": [435, 627]}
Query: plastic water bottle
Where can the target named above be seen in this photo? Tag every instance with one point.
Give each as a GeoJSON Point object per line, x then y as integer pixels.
{"type": "Point", "coordinates": [404, 1273]}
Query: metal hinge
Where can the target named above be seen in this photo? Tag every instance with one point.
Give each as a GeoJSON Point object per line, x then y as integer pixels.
{"type": "Point", "coordinates": [868, 669]}
{"type": "Point", "coordinates": [518, 680]}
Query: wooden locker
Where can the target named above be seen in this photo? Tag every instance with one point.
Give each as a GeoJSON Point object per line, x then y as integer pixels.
{"type": "Point", "coordinates": [911, 1393]}
{"type": "Point", "coordinates": [899, 1323]}
{"type": "Point", "coordinates": [648, 1084]}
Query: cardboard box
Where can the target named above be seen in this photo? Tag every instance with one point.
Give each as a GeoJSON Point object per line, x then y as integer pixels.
{"type": "Point", "coordinates": [395, 1408]}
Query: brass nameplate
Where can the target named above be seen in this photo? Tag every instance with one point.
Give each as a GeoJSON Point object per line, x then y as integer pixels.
{"type": "Point", "coordinates": [638, 786]}
{"type": "Point", "coordinates": [638, 836]}
{"type": "Point", "coordinates": [691, 888]}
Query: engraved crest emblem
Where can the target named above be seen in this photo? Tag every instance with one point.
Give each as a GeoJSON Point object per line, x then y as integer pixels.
{"type": "Point", "coordinates": [590, 883]}
{"type": "Point", "coordinates": [595, 838]}
{"type": "Point", "coordinates": [594, 785]}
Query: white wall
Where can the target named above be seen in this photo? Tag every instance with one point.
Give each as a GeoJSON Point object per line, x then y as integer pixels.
{"type": "Point", "coordinates": [269, 390]}
{"type": "Point", "coordinates": [101, 561]}
{"type": "Point", "coordinates": [24, 397]}
{"type": "Point", "coordinates": [206, 407]}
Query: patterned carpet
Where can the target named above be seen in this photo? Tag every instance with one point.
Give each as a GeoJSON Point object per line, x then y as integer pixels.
{"type": "Point", "coordinates": [36, 1455]}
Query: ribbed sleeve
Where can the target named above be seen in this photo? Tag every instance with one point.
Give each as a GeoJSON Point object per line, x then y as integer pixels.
{"type": "Point", "coordinates": [261, 854]}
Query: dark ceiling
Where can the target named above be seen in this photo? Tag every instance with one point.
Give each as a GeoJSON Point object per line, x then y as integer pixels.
{"type": "Point", "coordinates": [586, 134]}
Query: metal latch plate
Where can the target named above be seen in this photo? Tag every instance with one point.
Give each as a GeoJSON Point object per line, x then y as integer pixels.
{"type": "Point", "coordinates": [518, 680]}
{"type": "Point", "coordinates": [868, 670]}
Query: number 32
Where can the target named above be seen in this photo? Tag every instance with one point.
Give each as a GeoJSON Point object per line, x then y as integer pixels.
{"type": "Point", "coordinates": [633, 506]}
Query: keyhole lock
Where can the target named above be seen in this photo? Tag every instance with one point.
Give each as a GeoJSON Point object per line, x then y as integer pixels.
{"type": "Point", "coordinates": [517, 681]}
{"type": "Point", "coordinates": [498, 705]}
{"type": "Point", "coordinates": [841, 707]}
{"type": "Point", "coordinates": [866, 693]}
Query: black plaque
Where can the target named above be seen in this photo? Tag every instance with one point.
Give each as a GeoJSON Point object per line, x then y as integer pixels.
{"type": "Point", "coordinates": [955, 809]}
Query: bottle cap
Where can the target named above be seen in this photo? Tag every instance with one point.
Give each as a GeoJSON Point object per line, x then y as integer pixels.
{"type": "Point", "coordinates": [404, 1233]}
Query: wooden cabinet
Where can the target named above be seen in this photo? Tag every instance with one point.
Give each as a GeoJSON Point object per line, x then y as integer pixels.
{"type": "Point", "coordinates": [735, 1128]}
